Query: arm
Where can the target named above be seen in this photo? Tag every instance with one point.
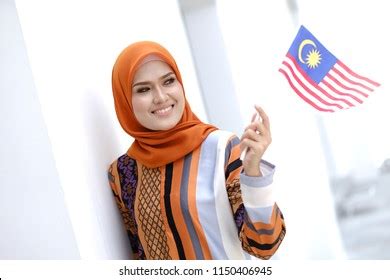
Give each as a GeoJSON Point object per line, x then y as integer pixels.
{"type": "Point", "coordinates": [122, 202]}
{"type": "Point", "coordinates": [263, 227]}
{"type": "Point", "coordinates": [259, 221]}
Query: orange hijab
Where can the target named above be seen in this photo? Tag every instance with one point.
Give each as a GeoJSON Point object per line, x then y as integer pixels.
{"type": "Point", "coordinates": [153, 148]}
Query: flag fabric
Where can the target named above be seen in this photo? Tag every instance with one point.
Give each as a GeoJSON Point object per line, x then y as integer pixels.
{"type": "Point", "coordinates": [321, 79]}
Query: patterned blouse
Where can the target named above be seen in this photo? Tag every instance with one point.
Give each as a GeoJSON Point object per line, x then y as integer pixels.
{"type": "Point", "coordinates": [201, 206]}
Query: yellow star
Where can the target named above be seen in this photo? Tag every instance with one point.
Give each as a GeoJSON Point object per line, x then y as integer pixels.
{"type": "Point", "coordinates": [313, 58]}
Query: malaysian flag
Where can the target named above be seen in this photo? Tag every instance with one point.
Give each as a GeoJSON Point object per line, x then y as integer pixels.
{"type": "Point", "coordinates": [321, 79]}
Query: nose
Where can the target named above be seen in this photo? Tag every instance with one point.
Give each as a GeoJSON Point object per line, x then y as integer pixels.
{"type": "Point", "coordinates": [159, 95]}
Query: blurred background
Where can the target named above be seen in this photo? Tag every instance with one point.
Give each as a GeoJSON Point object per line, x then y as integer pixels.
{"type": "Point", "coordinates": [59, 131]}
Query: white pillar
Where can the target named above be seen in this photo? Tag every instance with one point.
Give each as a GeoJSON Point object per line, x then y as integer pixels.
{"type": "Point", "coordinates": [34, 221]}
{"type": "Point", "coordinates": [211, 63]}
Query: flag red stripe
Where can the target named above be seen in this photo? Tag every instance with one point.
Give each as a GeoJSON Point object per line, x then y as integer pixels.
{"type": "Point", "coordinates": [343, 86]}
{"type": "Point", "coordinates": [349, 80]}
{"type": "Point", "coordinates": [346, 68]}
{"type": "Point", "coordinates": [339, 92]}
{"type": "Point", "coordinates": [315, 85]}
{"type": "Point", "coordinates": [301, 95]}
{"type": "Point", "coordinates": [319, 98]}
{"type": "Point", "coordinates": [327, 87]}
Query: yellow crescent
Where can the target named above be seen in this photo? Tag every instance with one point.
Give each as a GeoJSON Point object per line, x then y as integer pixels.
{"type": "Point", "coordinates": [304, 43]}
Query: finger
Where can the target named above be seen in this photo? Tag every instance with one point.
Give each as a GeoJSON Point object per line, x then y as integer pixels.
{"type": "Point", "coordinates": [261, 129]}
{"type": "Point", "coordinates": [253, 146]}
{"type": "Point", "coordinates": [255, 131]}
{"type": "Point", "coordinates": [252, 120]}
{"type": "Point", "coordinates": [251, 134]}
{"type": "Point", "coordinates": [261, 140]}
{"type": "Point", "coordinates": [256, 126]}
{"type": "Point", "coordinates": [253, 117]}
{"type": "Point", "coordinates": [264, 116]}
{"type": "Point", "coordinates": [244, 144]}
{"type": "Point", "coordinates": [251, 126]}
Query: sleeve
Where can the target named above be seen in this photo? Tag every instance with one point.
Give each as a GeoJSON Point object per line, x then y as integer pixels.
{"type": "Point", "coordinates": [259, 221]}
{"type": "Point", "coordinates": [114, 181]}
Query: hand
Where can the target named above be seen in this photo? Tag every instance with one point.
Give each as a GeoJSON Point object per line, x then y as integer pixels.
{"type": "Point", "coordinates": [256, 139]}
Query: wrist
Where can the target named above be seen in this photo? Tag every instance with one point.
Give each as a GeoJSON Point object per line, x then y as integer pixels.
{"type": "Point", "coordinates": [253, 172]}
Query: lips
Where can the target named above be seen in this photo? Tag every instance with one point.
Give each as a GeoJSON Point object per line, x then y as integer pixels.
{"type": "Point", "coordinates": [163, 111]}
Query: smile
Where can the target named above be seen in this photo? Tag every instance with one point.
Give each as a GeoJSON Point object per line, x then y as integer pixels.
{"type": "Point", "coordinates": [164, 111]}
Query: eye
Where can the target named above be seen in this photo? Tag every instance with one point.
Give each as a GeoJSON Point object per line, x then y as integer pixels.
{"type": "Point", "coordinates": [169, 81]}
{"type": "Point", "coordinates": [142, 89]}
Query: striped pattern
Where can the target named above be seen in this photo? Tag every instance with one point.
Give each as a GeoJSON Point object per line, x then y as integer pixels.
{"type": "Point", "coordinates": [328, 85]}
{"type": "Point", "coordinates": [199, 211]}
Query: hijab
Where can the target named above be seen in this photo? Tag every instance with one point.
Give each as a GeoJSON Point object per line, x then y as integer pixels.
{"type": "Point", "coordinates": [153, 148]}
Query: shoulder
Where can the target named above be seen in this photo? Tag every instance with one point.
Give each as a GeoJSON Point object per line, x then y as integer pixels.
{"type": "Point", "coordinates": [225, 142]}
{"type": "Point", "coordinates": [222, 140]}
{"type": "Point", "coordinates": [123, 165]}
{"type": "Point", "coordinates": [222, 137]}
{"type": "Point", "coordinates": [122, 173]}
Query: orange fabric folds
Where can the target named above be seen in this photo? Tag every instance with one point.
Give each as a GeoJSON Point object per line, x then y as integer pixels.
{"type": "Point", "coordinates": [153, 148]}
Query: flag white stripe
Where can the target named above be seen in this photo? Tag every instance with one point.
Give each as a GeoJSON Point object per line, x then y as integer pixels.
{"type": "Point", "coordinates": [303, 91]}
{"type": "Point", "coordinates": [348, 83]}
{"type": "Point", "coordinates": [348, 97]}
{"type": "Point", "coordinates": [353, 78]}
{"type": "Point", "coordinates": [343, 90]}
{"type": "Point", "coordinates": [300, 94]}
{"type": "Point", "coordinates": [333, 93]}
{"type": "Point", "coordinates": [342, 103]}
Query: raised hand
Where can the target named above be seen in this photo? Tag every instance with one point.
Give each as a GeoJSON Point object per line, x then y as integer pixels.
{"type": "Point", "coordinates": [255, 141]}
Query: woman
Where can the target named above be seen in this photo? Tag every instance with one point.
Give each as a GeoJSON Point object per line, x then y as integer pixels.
{"type": "Point", "coordinates": [181, 188]}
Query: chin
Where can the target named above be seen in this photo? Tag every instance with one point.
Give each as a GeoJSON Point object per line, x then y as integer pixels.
{"type": "Point", "coordinates": [164, 127]}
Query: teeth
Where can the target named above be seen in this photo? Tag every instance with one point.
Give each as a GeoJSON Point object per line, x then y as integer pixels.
{"type": "Point", "coordinates": [162, 111]}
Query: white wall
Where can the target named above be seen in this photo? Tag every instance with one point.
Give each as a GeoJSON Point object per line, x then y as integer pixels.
{"type": "Point", "coordinates": [72, 46]}
{"type": "Point", "coordinates": [34, 222]}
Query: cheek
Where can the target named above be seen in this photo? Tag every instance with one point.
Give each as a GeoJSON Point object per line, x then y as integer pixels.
{"type": "Point", "coordinates": [180, 96]}
{"type": "Point", "coordinates": [139, 104]}
{"type": "Point", "coordinates": [182, 103]}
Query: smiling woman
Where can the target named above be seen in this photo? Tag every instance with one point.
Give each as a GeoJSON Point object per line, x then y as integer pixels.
{"type": "Point", "coordinates": [181, 188]}
{"type": "Point", "coordinates": [158, 97]}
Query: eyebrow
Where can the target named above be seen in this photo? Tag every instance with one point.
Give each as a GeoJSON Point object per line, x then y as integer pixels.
{"type": "Point", "coordinates": [146, 82]}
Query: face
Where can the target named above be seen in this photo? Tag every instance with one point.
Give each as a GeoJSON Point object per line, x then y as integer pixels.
{"type": "Point", "coordinates": [157, 96]}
